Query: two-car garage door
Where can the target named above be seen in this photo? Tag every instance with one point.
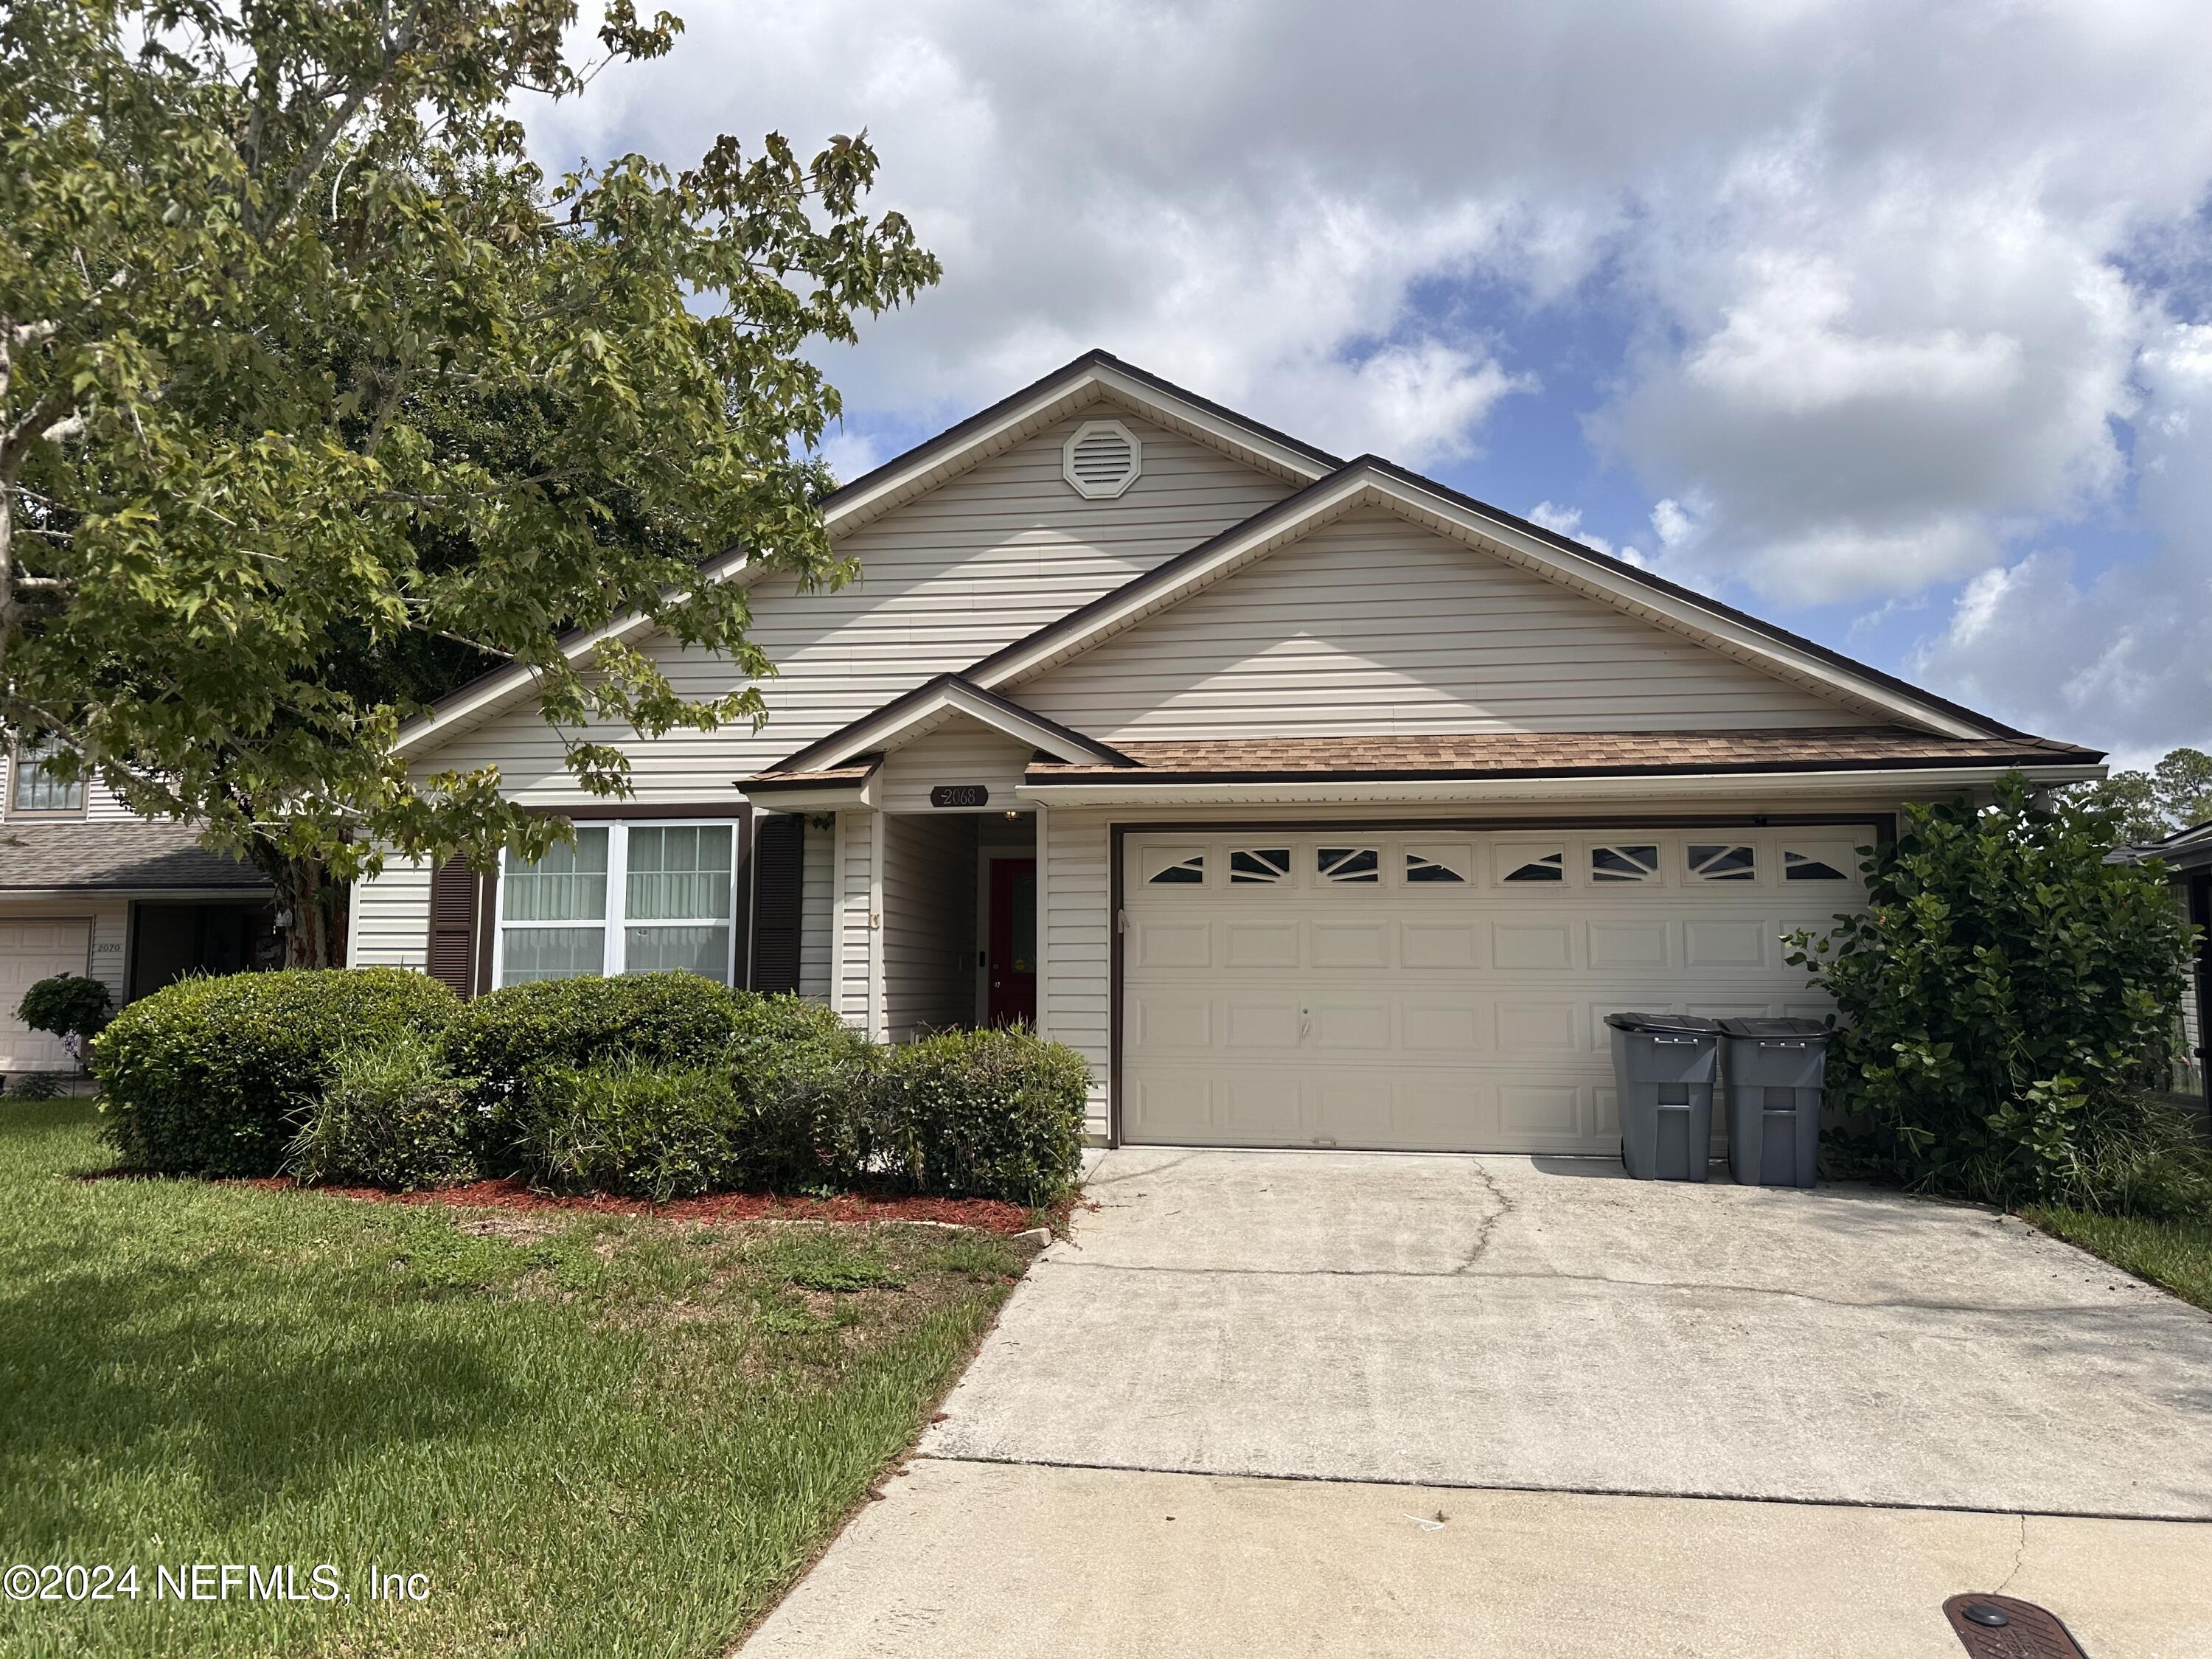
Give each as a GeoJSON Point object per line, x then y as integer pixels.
{"type": "Point", "coordinates": [1442, 991]}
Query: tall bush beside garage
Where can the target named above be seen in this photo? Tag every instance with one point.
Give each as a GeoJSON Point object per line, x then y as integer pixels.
{"type": "Point", "coordinates": [2007, 998]}
{"type": "Point", "coordinates": [211, 1076]}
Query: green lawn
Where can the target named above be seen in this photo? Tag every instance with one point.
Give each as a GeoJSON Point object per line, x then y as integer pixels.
{"type": "Point", "coordinates": [595, 1436]}
{"type": "Point", "coordinates": [2175, 1253]}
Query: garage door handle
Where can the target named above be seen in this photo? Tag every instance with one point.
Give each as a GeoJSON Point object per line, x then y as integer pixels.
{"type": "Point", "coordinates": [1305, 1024]}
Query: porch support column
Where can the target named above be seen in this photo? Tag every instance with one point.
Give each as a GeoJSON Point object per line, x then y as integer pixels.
{"type": "Point", "coordinates": [878, 1026]}
{"type": "Point", "coordinates": [1043, 924]}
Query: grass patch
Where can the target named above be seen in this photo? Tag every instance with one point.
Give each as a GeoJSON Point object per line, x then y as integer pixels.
{"type": "Point", "coordinates": [595, 1435]}
{"type": "Point", "coordinates": [2177, 1254]}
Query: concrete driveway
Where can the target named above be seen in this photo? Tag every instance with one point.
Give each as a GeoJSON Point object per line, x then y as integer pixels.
{"type": "Point", "coordinates": [1238, 1401]}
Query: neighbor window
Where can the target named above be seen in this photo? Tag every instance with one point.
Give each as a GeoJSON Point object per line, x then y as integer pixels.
{"type": "Point", "coordinates": [660, 893]}
{"type": "Point", "coordinates": [35, 788]}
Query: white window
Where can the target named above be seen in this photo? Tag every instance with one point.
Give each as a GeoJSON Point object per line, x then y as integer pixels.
{"type": "Point", "coordinates": [1438, 864]}
{"type": "Point", "coordinates": [1719, 861]}
{"type": "Point", "coordinates": [625, 898]}
{"type": "Point", "coordinates": [1258, 864]}
{"type": "Point", "coordinates": [1534, 866]}
{"type": "Point", "coordinates": [1638, 863]}
{"type": "Point", "coordinates": [1804, 866]}
{"type": "Point", "coordinates": [1349, 866]}
{"type": "Point", "coordinates": [1185, 872]}
{"type": "Point", "coordinates": [35, 789]}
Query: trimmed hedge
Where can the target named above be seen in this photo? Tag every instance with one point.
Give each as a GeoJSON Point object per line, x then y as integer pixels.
{"type": "Point", "coordinates": [628, 1128]}
{"type": "Point", "coordinates": [503, 1039]}
{"type": "Point", "coordinates": [393, 1117]}
{"type": "Point", "coordinates": [987, 1113]}
{"type": "Point", "coordinates": [211, 1076]}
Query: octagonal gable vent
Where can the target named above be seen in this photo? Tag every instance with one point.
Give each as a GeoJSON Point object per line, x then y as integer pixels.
{"type": "Point", "coordinates": [1102, 459]}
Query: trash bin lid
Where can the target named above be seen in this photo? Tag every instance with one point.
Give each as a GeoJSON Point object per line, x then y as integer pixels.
{"type": "Point", "coordinates": [1790, 1030]}
{"type": "Point", "coordinates": [1690, 1024]}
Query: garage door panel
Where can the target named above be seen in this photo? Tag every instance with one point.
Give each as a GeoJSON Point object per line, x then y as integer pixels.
{"type": "Point", "coordinates": [1172, 945]}
{"type": "Point", "coordinates": [1270, 1028]}
{"type": "Point", "coordinates": [1433, 1003]}
{"type": "Point", "coordinates": [1444, 1029]}
{"type": "Point", "coordinates": [1350, 944]}
{"type": "Point", "coordinates": [1359, 1025]}
{"type": "Point", "coordinates": [1439, 943]}
{"type": "Point", "coordinates": [1260, 944]}
{"type": "Point", "coordinates": [1531, 944]}
{"type": "Point", "coordinates": [1628, 944]}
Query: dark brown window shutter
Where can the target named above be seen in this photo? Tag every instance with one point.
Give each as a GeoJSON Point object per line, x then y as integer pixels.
{"type": "Point", "coordinates": [455, 892]}
{"type": "Point", "coordinates": [779, 869]}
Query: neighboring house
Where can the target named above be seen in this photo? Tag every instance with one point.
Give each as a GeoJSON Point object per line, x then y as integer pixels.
{"type": "Point", "coordinates": [2187, 856]}
{"type": "Point", "coordinates": [1313, 802]}
{"type": "Point", "coordinates": [89, 887]}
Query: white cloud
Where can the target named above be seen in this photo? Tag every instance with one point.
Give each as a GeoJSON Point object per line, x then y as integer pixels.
{"type": "Point", "coordinates": [2122, 658]}
{"type": "Point", "coordinates": [1886, 271]}
{"type": "Point", "coordinates": [1567, 521]}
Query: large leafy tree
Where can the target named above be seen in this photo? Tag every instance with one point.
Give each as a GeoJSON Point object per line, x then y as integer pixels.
{"type": "Point", "coordinates": [2173, 795]}
{"type": "Point", "coordinates": [315, 391]}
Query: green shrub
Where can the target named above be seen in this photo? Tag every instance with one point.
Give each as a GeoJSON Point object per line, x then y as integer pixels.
{"type": "Point", "coordinates": [68, 1005]}
{"type": "Point", "coordinates": [505, 1037]}
{"type": "Point", "coordinates": [212, 1076]}
{"type": "Point", "coordinates": [2005, 998]}
{"type": "Point", "coordinates": [990, 1113]}
{"type": "Point", "coordinates": [806, 1080]}
{"type": "Point", "coordinates": [624, 1127]}
{"type": "Point", "coordinates": [390, 1116]}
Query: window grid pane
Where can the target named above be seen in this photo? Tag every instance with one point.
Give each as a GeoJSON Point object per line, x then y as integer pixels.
{"type": "Point", "coordinates": [678, 873]}
{"type": "Point", "coordinates": [569, 883]}
{"type": "Point", "coordinates": [704, 951]}
{"type": "Point", "coordinates": [534, 953]}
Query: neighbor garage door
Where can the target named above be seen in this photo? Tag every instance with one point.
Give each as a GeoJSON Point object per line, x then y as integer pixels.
{"type": "Point", "coordinates": [30, 951]}
{"type": "Point", "coordinates": [1442, 991]}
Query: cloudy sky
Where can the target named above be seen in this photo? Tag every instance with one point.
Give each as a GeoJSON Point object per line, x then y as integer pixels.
{"type": "Point", "coordinates": [1889, 319]}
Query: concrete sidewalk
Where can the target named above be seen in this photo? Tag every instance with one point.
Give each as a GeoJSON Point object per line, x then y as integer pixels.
{"type": "Point", "coordinates": [985, 1561]}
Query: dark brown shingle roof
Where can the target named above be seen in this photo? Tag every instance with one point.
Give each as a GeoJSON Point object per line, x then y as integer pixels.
{"type": "Point", "coordinates": [1565, 754]}
{"type": "Point", "coordinates": [128, 855]}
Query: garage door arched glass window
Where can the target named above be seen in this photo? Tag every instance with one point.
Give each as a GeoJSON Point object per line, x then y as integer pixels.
{"type": "Point", "coordinates": [1548, 866]}
{"type": "Point", "coordinates": [1349, 866]}
{"type": "Point", "coordinates": [1721, 862]}
{"type": "Point", "coordinates": [1625, 863]}
{"type": "Point", "coordinates": [1248, 864]}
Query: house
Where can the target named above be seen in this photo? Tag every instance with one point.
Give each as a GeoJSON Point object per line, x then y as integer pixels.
{"type": "Point", "coordinates": [1314, 803]}
{"type": "Point", "coordinates": [87, 886]}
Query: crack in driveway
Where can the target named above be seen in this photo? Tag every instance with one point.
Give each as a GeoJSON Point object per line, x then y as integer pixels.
{"type": "Point", "coordinates": [1462, 1273]}
{"type": "Point", "coordinates": [1504, 1207]}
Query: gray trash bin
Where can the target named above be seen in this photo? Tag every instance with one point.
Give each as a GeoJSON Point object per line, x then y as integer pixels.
{"type": "Point", "coordinates": [1775, 1071]}
{"type": "Point", "coordinates": [1662, 1068]}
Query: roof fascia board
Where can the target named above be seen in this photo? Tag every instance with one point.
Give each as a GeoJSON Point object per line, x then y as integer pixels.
{"type": "Point", "coordinates": [1367, 482]}
{"type": "Point", "coordinates": [927, 707]}
{"type": "Point", "coordinates": [1897, 785]}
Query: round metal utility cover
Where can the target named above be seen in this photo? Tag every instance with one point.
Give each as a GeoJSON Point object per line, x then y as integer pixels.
{"type": "Point", "coordinates": [2018, 1630]}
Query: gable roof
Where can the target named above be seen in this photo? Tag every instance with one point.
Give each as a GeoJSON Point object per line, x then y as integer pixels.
{"type": "Point", "coordinates": [928, 706]}
{"type": "Point", "coordinates": [1096, 377]}
{"type": "Point", "coordinates": [1372, 481]}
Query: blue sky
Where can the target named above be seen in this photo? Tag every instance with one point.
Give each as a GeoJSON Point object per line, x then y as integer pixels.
{"type": "Point", "coordinates": [1889, 319]}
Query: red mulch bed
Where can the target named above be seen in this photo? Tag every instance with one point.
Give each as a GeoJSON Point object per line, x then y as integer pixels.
{"type": "Point", "coordinates": [990, 1214]}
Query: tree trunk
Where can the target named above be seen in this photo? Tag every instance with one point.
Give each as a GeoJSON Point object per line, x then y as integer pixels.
{"type": "Point", "coordinates": [310, 908]}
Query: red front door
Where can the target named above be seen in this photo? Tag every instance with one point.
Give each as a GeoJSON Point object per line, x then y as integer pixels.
{"type": "Point", "coordinates": [1011, 964]}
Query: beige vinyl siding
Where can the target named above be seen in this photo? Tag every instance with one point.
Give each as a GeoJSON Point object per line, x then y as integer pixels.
{"type": "Point", "coordinates": [929, 917]}
{"type": "Point", "coordinates": [855, 968]}
{"type": "Point", "coordinates": [963, 750]}
{"type": "Point", "coordinates": [816, 906]}
{"type": "Point", "coordinates": [1074, 937]}
{"type": "Point", "coordinates": [979, 562]}
{"type": "Point", "coordinates": [1372, 625]}
{"type": "Point", "coordinates": [389, 922]}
